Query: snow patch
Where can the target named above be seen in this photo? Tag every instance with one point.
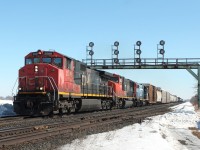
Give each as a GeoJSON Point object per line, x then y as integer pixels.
{"type": "Point", "coordinates": [182, 116]}
{"type": "Point", "coordinates": [167, 132]}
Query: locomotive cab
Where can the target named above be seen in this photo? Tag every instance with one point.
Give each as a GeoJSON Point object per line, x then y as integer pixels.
{"type": "Point", "coordinates": [40, 80]}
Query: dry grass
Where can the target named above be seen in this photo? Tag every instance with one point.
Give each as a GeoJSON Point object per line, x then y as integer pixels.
{"type": "Point", "coordinates": [195, 131]}
{"type": "Point", "coordinates": [193, 128]}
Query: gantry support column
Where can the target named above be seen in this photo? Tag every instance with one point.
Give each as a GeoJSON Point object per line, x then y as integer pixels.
{"type": "Point", "coordinates": [199, 86]}
{"type": "Point", "coordinates": [198, 79]}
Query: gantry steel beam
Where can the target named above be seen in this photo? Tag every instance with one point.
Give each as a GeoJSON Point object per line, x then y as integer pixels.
{"type": "Point", "coordinates": [145, 63]}
{"type": "Point", "coordinates": [192, 73]}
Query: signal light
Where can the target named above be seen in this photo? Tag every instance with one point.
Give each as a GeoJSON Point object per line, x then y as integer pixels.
{"type": "Point", "coordinates": [91, 44]}
{"type": "Point", "coordinates": [116, 60]}
{"type": "Point", "coordinates": [116, 52]}
{"type": "Point", "coordinates": [116, 43]}
{"type": "Point", "coordinates": [162, 51]}
{"type": "Point", "coordinates": [138, 51]}
{"type": "Point", "coordinates": [91, 52]}
{"type": "Point", "coordinates": [138, 43]}
{"type": "Point", "coordinates": [138, 60]}
{"type": "Point", "coordinates": [162, 42]}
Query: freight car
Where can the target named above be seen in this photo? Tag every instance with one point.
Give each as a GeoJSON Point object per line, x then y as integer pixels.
{"type": "Point", "coordinates": [159, 95]}
{"type": "Point", "coordinates": [151, 93]}
{"type": "Point", "coordinates": [173, 98]}
{"type": "Point", "coordinates": [51, 83]}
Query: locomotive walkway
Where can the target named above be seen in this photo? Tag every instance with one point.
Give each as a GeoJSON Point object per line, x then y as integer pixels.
{"type": "Point", "coordinates": [71, 127]}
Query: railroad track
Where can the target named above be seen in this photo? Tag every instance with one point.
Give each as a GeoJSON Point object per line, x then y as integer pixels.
{"type": "Point", "coordinates": [73, 125]}
{"type": "Point", "coordinates": [9, 119]}
{"type": "Point", "coordinates": [23, 121]}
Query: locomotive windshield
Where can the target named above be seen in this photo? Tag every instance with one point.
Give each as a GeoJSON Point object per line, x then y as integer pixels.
{"type": "Point", "coordinates": [54, 61]}
{"type": "Point", "coordinates": [36, 60]}
{"type": "Point", "coordinates": [46, 60]}
{"type": "Point", "coordinates": [29, 61]}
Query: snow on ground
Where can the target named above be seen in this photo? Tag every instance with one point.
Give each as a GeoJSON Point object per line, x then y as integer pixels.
{"type": "Point", "coordinates": [6, 108]}
{"type": "Point", "coordinates": [165, 132]}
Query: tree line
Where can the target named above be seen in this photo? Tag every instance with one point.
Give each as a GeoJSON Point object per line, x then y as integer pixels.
{"type": "Point", "coordinates": [6, 98]}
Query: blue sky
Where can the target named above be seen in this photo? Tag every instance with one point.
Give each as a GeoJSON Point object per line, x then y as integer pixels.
{"type": "Point", "coordinates": [68, 26]}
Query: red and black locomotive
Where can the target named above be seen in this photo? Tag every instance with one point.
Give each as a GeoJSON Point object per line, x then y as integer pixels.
{"type": "Point", "coordinates": [54, 83]}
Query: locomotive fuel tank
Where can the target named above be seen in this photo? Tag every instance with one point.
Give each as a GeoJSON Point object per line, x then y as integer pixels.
{"type": "Point", "coordinates": [128, 103]}
{"type": "Point", "coordinates": [89, 105]}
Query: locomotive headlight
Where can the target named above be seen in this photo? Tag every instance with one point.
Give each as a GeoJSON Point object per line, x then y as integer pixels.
{"type": "Point", "coordinates": [41, 88]}
{"type": "Point", "coordinates": [19, 88]}
{"type": "Point", "coordinates": [36, 68]}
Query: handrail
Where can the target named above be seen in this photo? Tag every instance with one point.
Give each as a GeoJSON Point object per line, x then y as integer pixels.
{"type": "Point", "coordinates": [144, 61]}
{"type": "Point", "coordinates": [15, 85]}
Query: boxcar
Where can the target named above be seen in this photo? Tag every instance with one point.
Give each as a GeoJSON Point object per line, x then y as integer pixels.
{"type": "Point", "coordinates": [152, 93]}
{"type": "Point", "coordinates": [159, 95]}
{"type": "Point", "coordinates": [167, 97]}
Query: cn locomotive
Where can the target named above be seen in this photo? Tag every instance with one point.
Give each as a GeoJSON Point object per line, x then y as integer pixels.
{"type": "Point", "coordinates": [52, 83]}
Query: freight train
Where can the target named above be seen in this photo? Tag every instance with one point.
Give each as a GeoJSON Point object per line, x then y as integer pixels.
{"type": "Point", "coordinates": [52, 83]}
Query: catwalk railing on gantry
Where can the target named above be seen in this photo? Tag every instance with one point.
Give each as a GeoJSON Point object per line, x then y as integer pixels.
{"type": "Point", "coordinates": [145, 63]}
